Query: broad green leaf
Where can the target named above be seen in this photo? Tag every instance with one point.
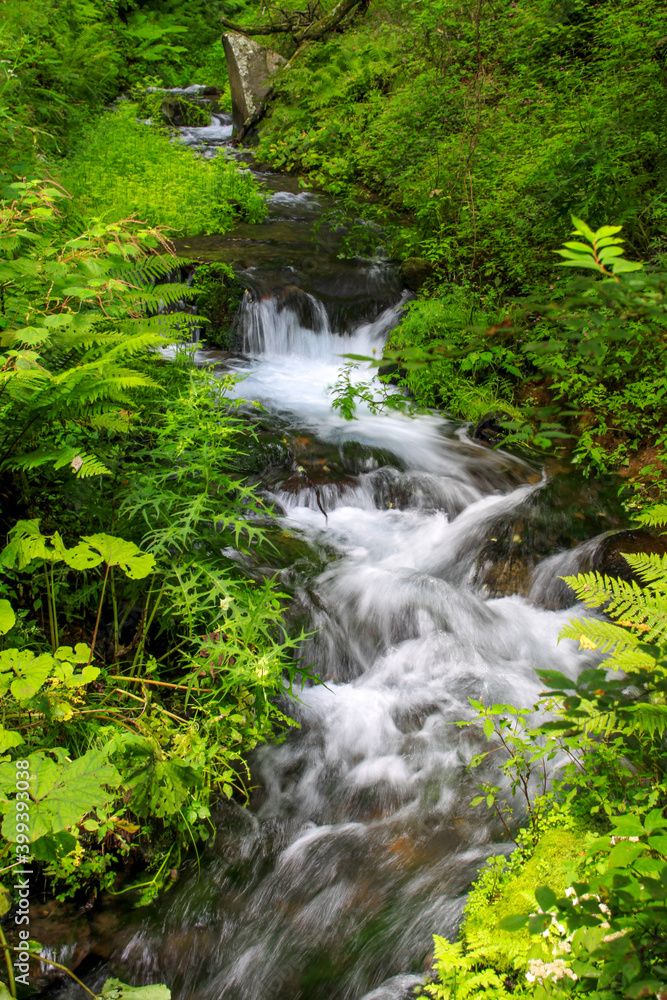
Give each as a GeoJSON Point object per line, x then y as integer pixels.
{"type": "Point", "coordinates": [546, 897]}
{"type": "Point", "coordinates": [52, 847]}
{"type": "Point", "coordinates": [628, 826]}
{"type": "Point", "coordinates": [118, 552]}
{"type": "Point", "coordinates": [573, 255]}
{"type": "Point", "coordinates": [655, 821]}
{"type": "Point", "coordinates": [26, 543]}
{"type": "Point", "coordinates": [80, 653]}
{"type": "Point", "coordinates": [4, 992]}
{"type": "Point", "coordinates": [514, 923]}
{"type": "Point", "coordinates": [82, 556]}
{"type": "Point", "coordinates": [610, 252]}
{"type": "Point", "coordinates": [63, 793]}
{"type": "Point", "coordinates": [609, 242]}
{"type": "Point", "coordinates": [7, 617]}
{"type": "Point", "coordinates": [625, 266]}
{"type": "Point", "coordinates": [623, 854]}
{"type": "Point", "coordinates": [113, 989]}
{"type": "Point", "coordinates": [80, 789]}
{"type": "Point", "coordinates": [659, 844]}
{"type": "Point", "coordinates": [9, 738]}
{"type": "Point", "coordinates": [578, 263]}
{"type": "Point", "coordinates": [582, 247]}
{"type": "Point", "coordinates": [32, 672]}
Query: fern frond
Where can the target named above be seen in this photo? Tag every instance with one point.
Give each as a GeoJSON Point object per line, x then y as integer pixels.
{"type": "Point", "coordinates": [597, 589]}
{"type": "Point", "coordinates": [647, 719]}
{"type": "Point", "coordinates": [599, 634]}
{"type": "Point", "coordinates": [650, 568]}
{"type": "Point", "coordinates": [91, 466]}
{"type": "Point", "coordinates": [654, 517]}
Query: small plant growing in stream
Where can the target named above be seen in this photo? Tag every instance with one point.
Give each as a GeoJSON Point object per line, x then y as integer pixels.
{"type": "Point", "coordinates": [219, 294]}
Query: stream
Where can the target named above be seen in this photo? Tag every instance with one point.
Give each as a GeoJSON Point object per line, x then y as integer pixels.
{"type": "Point", "coordinates": [426, 563]}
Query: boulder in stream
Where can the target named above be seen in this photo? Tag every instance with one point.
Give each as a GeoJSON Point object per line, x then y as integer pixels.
{"type": "Point", "coordinates": [250, 66]}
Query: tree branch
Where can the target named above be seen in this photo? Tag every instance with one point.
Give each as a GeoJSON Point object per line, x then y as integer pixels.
{"type": "Point", "coordinates": [258, 29]}
{"type": "Point", "coordinates": [314, 31]}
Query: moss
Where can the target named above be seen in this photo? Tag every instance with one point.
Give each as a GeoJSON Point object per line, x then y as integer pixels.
{"type": "Point", "coordinates": [506, 888]}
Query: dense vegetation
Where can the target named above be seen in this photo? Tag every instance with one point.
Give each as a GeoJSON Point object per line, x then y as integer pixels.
{"type": "Point", "coordinates": [475, 132]}
{"type": "Point", "coordinates": [139, 663]}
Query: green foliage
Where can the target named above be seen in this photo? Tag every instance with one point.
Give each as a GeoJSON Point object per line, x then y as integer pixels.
{"type": "Point", "coordinates": [138, 662]}
{"type": "Point", "coordinates": [121, 168]}
{"type": "Point", "coordinates": [62, 61]}
{"type": "Point", "coordinates": [113, 989]}
{"type": "Point", "coordinates": [76, 320]}
{"type": "Point", "coordinates": [219, 294]}
{"type": "Point", "coordinates": [581, 365]}
{"type": "Point", "coordinates": [603, 932]}
{"type": "Point", "coordinates": [487, 125]}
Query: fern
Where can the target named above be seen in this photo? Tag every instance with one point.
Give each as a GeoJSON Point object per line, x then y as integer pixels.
{"type": "Point", "coordinates": [654, 517]}
{"type": "Point", "coordinates": [644, 610]}
{"type": "Point", "coordinates": [78, 342]}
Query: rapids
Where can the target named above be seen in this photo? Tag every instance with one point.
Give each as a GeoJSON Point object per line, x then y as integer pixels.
{"type": "Point", "coordinates": [360, 843]}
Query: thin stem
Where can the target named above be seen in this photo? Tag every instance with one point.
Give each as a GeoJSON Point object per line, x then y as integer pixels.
{"type": "Point", "coordinates": [158, 707]}
{"type": "Point", "coordinates": [99, 612]}
{"type": "Point", "coordinates": [164, 684]}
{"type": "Point", "coordinates": [10, 966]}
{"type": "Point", "coordinates": [55, 615]}
{"type": "Point", "coordinates": [49, 608]}
{"type": "Point", "coordinates": [114, 602]}
{"type": "Point", "coordinates": [46, 961]}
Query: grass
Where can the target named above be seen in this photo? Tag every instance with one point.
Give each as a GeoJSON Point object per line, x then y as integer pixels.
{"type": "Point", "coordinates": [123, 168]}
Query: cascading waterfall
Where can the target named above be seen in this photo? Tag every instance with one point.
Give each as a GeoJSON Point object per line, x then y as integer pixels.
{"type": "Point", "coordinates": [360, 843]}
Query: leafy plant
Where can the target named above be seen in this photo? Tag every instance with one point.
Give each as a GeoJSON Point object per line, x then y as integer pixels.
{"type": "Point", "coordinates": [604, 935]}
{"type": "Point", "coordinates": [123, 167]}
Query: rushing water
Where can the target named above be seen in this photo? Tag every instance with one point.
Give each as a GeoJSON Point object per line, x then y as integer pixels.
{"type": "Point", "coordinates": [360, 843]}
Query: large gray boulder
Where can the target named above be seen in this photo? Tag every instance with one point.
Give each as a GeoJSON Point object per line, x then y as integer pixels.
{"type": "Point", "coordinates": [250, 67]}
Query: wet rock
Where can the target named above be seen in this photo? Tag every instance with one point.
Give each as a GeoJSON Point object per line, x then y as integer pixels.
{"type": "Point", "coordinates": [506, 576]}
{"type": "Point", "coordinates": [178, 111]}
{"type": "Point", "coordinates": [415, 272]}
{"type": "Point", "coordinates": [489, 429]}
{"type": "Point", "coordinates": [250, 66]}
{"type": "Point", "coordinates": [608, 556]}
{"type": "Point", "coordinates": [392, 368]}
{"type": "Point", "coordinates": [304, 306]}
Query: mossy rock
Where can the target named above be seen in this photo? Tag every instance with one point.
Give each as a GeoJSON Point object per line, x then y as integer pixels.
{"type": "Point", "coordinates": [497, 895]}
{"type": "Point", "coordinates": [219, 294]}
{"type": "Point", "coordinates": [181, 112]}
{"type": "Point", "coordinates": [170, 109]}
{"type": "Point", "coordinates": [415, 272]}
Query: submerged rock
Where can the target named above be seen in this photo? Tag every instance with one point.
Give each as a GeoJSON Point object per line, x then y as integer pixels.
{"type": "Point", "coordinates": [250, 66]}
